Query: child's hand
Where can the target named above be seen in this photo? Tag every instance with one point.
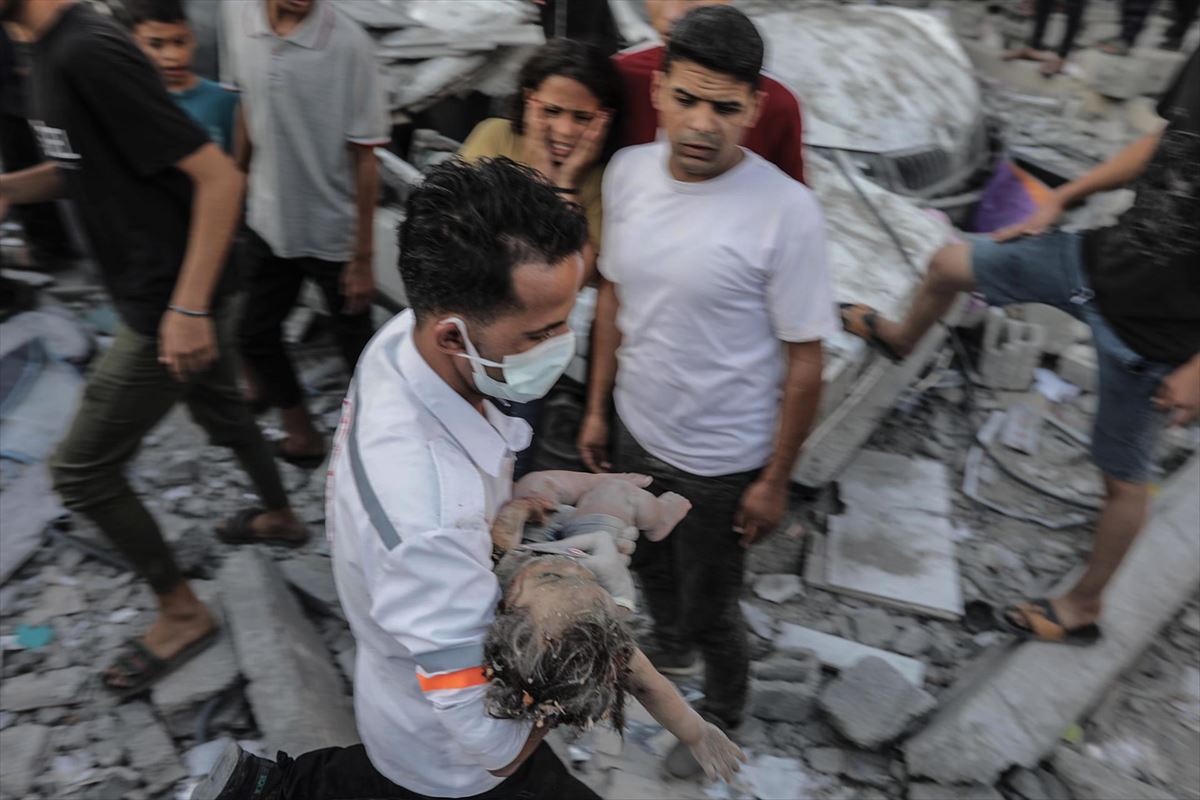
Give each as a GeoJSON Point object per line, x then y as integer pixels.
{"type": "Point", "coordinates": [716, 754]}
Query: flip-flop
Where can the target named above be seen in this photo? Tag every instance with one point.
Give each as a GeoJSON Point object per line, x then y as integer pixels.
{"type": "Point", "coordinates": [1043, 625]}
{"type": "Point", "coordinates": [303, 462]}
{"type": "Point", "coordinates": [143, 669]}
{"type": "Point", "coordinates": [870, 320]}
{"type": "Point", "coordinates": [237, 530]}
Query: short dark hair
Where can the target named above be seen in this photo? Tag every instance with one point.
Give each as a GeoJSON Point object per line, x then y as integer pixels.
{"type": "Point", "coordinates": [139, 11]}
{"type": "Point", "coordinates": [580, 62]}
{"type": "Point", "coordinates": [719, 38]}
{"type": "Point", "coordinates": [467, 227]}
{"type": "Point", "coordinates": [575, 676]}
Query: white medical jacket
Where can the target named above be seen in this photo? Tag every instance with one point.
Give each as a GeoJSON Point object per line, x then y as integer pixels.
{"type": "Point", "coordinates": [416, 477]}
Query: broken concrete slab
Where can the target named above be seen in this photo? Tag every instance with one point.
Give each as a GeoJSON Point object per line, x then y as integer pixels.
{"type": "Point", "coordinates": [33, 690]}
{"type": "Point", "coordinates": [1011, 351]}
{"type": "Point", "coordinates": [781, 701]}
{"type": "Point", "coordinates": [27, 506]}
{"type": "Point", "coordinates": [311, 576]}
{"type": "Point", "coordinates": [24, 751]}
{"type": "Point", "coordinates": [921, 790]}
{"type": "Point", "coordinates": [211, 672]}
{"type": "Point", "coordinates": [839, 654]}
{"type": "Point", "coordinates": [778, 588]}
{"type": "Point", "coordinates": [759, 621]}
{"type": "Point", "coordinates": [294, 688]}
{"type": "Point", "coordinates": [1013, 712]}
{"type": "Point", "coordinates": [872, 703]}
{"type": "Point", "coordinates": [151, 751]}
{"type": "Point", "coordinates": [774, 777]}
{"type": "Point", "coordinates": [31, 428]}
{"type": "Point", "coordinates": [1086, 777]}
{"type": "Point", "coordinates": [894, 543]}
{"type": "Point", "coordinates": [873, 627]}
{"type": "Point", "coordinates": [56, 602]}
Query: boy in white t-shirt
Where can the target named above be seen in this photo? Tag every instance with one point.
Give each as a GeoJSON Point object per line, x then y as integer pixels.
{"type": "Point", "coordinates": [708, 338]}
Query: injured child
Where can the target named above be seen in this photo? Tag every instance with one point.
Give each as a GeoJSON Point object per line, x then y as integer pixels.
{"type": "Point", "coordinates": [558, 652]}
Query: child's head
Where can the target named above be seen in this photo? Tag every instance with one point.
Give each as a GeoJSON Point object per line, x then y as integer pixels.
{"type": "Point", "coordinates": [165, 36]}
{"type": "Point", "coordinates": [557, 653]}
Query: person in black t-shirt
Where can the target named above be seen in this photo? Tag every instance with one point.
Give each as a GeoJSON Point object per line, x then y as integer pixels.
{"type": "Point", "coordinates": [159, 204]}
{"type": "Point", "coordinates": [1137, 285]}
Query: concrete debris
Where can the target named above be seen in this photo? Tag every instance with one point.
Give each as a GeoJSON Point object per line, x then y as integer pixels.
{"type": "Point", "coordinates": [872, 703]}
{"type": "Point", "coordinates": [873, 627]}
{"type": "Point", "coordinates": [796, 666]}
{"type": "Point", "coordinates": [151, 751]}
{"type": "Point", "coordinates": [873, 769]}
{"type": "Point", "coordinates": [1086, 777]}
{"type": "Point", "coordinates": [778, 588]}
{"type": "Point", "coordinates": [294, 688]}
{"type": "Point", "coordinates": [1078, 366]}
{"type": "Point", "coordinates": [1015, 712]}
{"type": "Point", "coordinates": [760, 621]}
{"type": "Point", "coordinates": [62, 338]}
{"type": "Point", "coordinates": [913, 641]}
{"type": "Point", "coordinates": [935, 791]}
{"type": "Point", "coordinates": [311, 576]}
{"type": "Point", "coordinates": [1033, 785]}
{"type": "Point", "coordinates": [55, 602]}
{"type": "Point", "coordinates": [781, 701]}
{"type": "Point", "coordinates": [34, 690]}
{"type": "Point", "coordinates": [840, 654]}
{"type": "Point", "coordinates": [27, 506]}
{"type": "Point", "coordinates": [773, 777]}
{"type": "Point", "coordinates": [1011, 351]}
{"type": "Point", "coordinates": [24, 751]}
{"type": "Point", "coordinates": [31, 427]}
{"type": "Point", "coordinates": [893, 543]}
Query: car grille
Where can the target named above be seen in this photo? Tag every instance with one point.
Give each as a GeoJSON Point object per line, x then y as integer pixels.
{"type": "Point", "coordinates": [923, 170]}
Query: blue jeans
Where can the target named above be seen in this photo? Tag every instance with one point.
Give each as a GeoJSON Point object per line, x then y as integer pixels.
{"type": "Point", "coordinates": [1049, 269]}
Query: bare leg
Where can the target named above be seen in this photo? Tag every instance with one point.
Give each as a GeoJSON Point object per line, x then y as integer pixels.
{"type": "Point", "coordinates": [182, 620]}
{"type": "Point", "coordinates": [949, 273]}
{"type": "Point", "coordinates": [566, 488]}
{"type": "Point", "coordinates": [658, 516]}
{"type": "Point", "coordinates": [1120, 523]}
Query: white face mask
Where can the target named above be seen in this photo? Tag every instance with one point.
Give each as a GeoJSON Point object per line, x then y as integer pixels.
{"type": "Point", "coordinates": [527, 376]}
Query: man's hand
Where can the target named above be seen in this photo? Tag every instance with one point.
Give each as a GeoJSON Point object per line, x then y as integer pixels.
{"type": "Point", "coordinates": [358, 285]}
{"type": "Point", "coordinates": [593, 443]}
{"type": "Point", "coordinates": [186, 345]}
{"type": "Point", "coordinates": [1045, 215]}
{"type": "Point", "coordinates": [1179, 394]}
{"type": "Point", "coordinates": [586, 151]}
{"type": "Point", "coordinates": [762, 508]}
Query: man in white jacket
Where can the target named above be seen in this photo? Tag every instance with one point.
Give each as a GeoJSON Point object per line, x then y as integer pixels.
{"type": "Point", "coordinates": [422, 462]}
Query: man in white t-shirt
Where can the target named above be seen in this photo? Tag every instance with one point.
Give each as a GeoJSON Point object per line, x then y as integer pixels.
{"type": "Point", "coordinates": [708, 338]}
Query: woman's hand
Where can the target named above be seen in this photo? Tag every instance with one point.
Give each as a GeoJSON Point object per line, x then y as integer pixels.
{"type": "Point", "coordinates": [535, 146]}
{"type": "Point", "coordinates": [715, 754]}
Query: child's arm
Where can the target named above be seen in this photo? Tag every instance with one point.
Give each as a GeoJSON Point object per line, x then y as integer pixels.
{"type": "Point", "coordinates": [565, 487]}
{"type": "Point", "coordinates": [710, 747]}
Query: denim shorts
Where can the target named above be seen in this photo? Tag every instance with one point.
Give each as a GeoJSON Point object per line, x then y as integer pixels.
{"type": "Point", "coordinates": [1049, 269]}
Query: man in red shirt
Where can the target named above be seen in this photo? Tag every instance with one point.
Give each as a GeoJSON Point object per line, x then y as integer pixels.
{"type": "Point", "coordinates": [776, 137]}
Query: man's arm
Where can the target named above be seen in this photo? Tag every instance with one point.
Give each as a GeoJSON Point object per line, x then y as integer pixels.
{"type": "Point", "coordinates": [358, 277]}
{"type": "Point", "coordinates": [38, 184]}
{"type": "Point", "coordinates": [1114, 173]}
{"type": "Point", "coordinates": [765, 501]}
{"type": "Point", "coordinates": [187, 343]}
{"type": "Point", "coordinates": [606, 338]}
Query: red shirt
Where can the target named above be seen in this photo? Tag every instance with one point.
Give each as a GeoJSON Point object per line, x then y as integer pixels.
{"type": "Point", "coordinates": [776, 137]}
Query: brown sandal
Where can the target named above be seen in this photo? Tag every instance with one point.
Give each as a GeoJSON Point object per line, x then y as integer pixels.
{"type": "Point", "coordinates": [238, 530]}
{"type": "Point", "coordinates": [1037, 621]}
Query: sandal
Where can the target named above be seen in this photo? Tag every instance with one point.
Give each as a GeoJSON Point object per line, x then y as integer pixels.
{"type": "Point", "coordinates": [238, 530]}
{"type": "Point", "coordinates": [1114, 46]}
{"type": "Point", "coordinates": [870, 320]}
{"type": "Point", "coordinates": [1041, 624]}
{"type": "Point", "coordinates": [303, 462]}
{"type": "Point", "coordinates": [142, 669]}
{"type": "Point", "coordinates": [1054, 66]}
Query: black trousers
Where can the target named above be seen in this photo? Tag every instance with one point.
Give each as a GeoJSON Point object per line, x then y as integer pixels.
{"type": "Point", "coordinates": [345, 773]}
{"type": "Point", "coordinates": [1134, 14]}
{"type": "Point", "coordinates": [692, 580]}
{"type": "Point", "coordinates": [1074, 22]}
{"type": "Point", "coordinates": [272, 285]}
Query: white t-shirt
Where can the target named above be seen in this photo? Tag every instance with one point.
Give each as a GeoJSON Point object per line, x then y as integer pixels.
{"type": "Point", "coordinates": [711, 277]}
